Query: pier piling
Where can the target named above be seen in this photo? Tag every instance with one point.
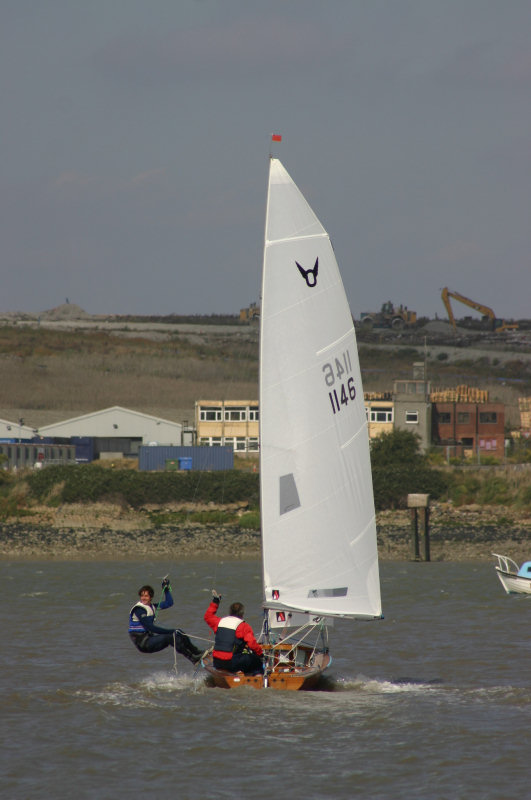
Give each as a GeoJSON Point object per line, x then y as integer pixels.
{"type": "Point", "coordinates": [420, 526]}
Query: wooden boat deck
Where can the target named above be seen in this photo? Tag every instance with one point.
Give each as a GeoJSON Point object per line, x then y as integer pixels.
{"type": "Point", "coordinates": [293, 669]}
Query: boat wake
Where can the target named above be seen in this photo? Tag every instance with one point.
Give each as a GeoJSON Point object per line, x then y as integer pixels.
{"type": "Point", "coordinates": [519, 697]}
{"type": "Point", "coordinates": [152, 692]}
{"type": "Point", "coordinates": [365, 685]}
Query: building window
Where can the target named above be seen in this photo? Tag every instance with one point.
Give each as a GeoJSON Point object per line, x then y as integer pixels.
{"type": "Point", "coordinates": [410, 387]}
{"type": "Point", "coordinates": [236, 414]}
{"type": "Point", "coordinates": [210, 441]}
{"type": "Point", "coordinates": [412, 417]}
{"type": "Point", "coordinates": [488, 417]}
{"type": "Point", "coordinates": [207, 414]}
{"type": "Point", "coordinates": [241, 444]}
{"type": "Point", "coordinates": [254, 414]}
{"type": "Point", "coordinates": [444, 417]}
{"type": "Point", "coordinates": [253, 444]}
{"type": "Point", "coordinates": [381, 414]}
{"type": "Point", "coordinates": [463, 417]}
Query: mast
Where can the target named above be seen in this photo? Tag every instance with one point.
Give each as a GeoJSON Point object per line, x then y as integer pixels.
{"type": "Point", "coordinates": [274, 138]}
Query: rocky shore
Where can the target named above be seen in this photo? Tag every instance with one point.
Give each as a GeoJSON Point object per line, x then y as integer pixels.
{"type": "Point", "coordinates": [101, 532]}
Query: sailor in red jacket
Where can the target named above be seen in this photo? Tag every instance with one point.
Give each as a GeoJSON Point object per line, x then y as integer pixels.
{"type": "Point", "coordinates": [235, 647]}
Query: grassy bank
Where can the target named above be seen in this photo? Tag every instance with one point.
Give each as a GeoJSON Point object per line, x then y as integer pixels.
{"type": "Point", "coordinates": [92, 511]}
{"type": "Point", "coordinates": [232, 497]}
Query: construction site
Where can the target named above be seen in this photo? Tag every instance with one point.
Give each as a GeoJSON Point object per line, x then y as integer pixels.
{"type": "Point", "coordinates": [452, 329]}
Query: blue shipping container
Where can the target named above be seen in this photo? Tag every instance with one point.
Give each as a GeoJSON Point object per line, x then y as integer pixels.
{"type": "Point", "coordinates": [84, 449]}
{"type": "Point", "coordinates": [154, 457]}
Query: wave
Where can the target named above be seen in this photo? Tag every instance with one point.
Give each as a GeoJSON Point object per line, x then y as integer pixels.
{"type": "Point", "coordinates": [362, 683]}
{"type": "Point", "coordinates": [152, 691]}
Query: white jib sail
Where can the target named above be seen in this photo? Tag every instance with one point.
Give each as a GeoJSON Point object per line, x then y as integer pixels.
{"type": "Point", "coordinates": [317, 507]}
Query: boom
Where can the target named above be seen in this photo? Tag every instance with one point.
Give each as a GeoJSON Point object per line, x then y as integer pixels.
{"type": "Point", "coordinates": [488, 314]}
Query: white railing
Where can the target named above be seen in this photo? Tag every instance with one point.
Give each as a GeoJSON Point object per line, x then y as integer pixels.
{"type": "Point", "coordinates": [506, 564]}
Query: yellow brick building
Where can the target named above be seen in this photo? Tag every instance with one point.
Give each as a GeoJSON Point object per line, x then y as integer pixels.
{"type": "Point", "coordinates": [228, 422]}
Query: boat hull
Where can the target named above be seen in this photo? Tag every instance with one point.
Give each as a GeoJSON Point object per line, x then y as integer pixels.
{"type": "Point", "coordinates": [300, 671]}
{"type": "Point", "coordinates": [513, 584]}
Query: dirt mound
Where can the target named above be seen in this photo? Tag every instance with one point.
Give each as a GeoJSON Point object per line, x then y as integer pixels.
{"type": "Point", "coordinates": [64, 312]}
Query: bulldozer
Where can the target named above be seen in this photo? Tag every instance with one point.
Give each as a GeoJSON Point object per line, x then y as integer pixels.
{"type": "Point", "coordinates": [250, 313]}
{"type": "Point", "coordinates": [489, 319]}
{"type": "Point", "coordinates": [390, 316]}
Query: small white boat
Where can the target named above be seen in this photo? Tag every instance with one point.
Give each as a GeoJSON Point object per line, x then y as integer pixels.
{"type": "Point", "coordinates": [514, 579]}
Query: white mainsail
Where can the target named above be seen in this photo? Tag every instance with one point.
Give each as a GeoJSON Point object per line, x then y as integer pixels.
{"type": "Point", "coordinates": [317, 508]}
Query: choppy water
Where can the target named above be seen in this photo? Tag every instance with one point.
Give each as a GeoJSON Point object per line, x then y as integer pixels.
{"type": "Point", "coordinates": [432, 702]}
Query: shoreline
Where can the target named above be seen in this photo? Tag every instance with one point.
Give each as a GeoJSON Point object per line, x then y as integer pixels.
{"type": "Point", "coordinates": [110, 533]}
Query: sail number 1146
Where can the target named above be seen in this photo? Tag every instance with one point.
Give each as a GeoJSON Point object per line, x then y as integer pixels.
{"type": "Point", "coordinates": [341, 387]}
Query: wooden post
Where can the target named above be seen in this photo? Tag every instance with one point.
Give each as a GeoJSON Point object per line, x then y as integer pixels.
{"type": "Point", "coordinates": [426, 527]}
{"type": "Point", "coordinates": [419, 503]}
{"type": "Point", "coordinates": [415, 549]}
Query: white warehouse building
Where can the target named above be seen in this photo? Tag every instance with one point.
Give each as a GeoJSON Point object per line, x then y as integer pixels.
{"type": "Point", "coordinates": [116, 431]}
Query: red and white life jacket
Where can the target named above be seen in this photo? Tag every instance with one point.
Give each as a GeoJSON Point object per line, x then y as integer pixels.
{"type": "Point", "coordinates": [226, 642]}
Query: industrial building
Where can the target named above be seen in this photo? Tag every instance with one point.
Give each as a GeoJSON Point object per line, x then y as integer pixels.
{"type": "Point", "coordinates": [28, 455]}
{"type": "Point", "coordinates": [379, 410]}
{"type": "Point", "coordinates": [469, 430]}
{"type": "Point", "coordinates": [15, 431]}
{"type": "Point", "coordinates": [460, 420]}
{"type": "Point", "coordinates": [228, 422]}
{"type": "Point", "coordinates": [115, 432]}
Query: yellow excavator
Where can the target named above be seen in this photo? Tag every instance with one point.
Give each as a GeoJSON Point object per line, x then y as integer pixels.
{"type": "Point", "coordinates": [489, 317]}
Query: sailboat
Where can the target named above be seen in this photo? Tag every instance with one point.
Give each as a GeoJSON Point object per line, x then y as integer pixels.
{"type": "Point", "coordinates": [319, 549]}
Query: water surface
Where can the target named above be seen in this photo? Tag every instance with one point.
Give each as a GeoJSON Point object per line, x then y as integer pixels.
{"type": "Point", "coordinates": [434, 701]}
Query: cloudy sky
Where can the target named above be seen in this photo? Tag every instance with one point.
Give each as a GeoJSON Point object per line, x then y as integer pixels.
{"type": "Point", "coordinates": [135, 141]}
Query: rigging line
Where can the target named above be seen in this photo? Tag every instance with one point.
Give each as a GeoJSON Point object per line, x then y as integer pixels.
{"type": "Point", "coordinates": [295, 633]}
{"type": "Point", "coordinates": [311, 627]}
{"type": "Point", "coordinates": [199, 664]}
{"type": "Point", "coordinates": [160, 601]}
{"type": "Point", "coordinates": [175, 653]}
{"type": "Point", "coordinates": [321, 637]}
{"type": "Point", "coordinates": [201, 638]}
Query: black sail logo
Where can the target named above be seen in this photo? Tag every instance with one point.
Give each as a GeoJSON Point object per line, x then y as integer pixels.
{"type": "Point", "coordinates": [309, 275]}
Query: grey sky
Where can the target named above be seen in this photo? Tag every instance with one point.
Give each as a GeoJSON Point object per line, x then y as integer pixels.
{"type": "Point", "coordinates": [135, 139]}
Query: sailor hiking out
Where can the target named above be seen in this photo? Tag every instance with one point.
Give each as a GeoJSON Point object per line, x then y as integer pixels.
{"type": "Point", "coordinates": [151, 638]}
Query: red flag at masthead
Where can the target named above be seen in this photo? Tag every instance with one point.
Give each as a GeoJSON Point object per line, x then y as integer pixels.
{"type": "Point", "coordinates": [276, 137]}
